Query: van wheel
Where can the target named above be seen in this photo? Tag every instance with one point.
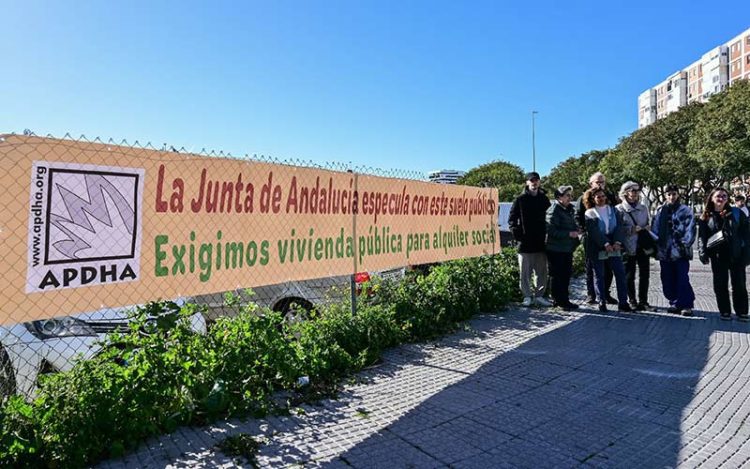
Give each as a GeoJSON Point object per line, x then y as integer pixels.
{"type": "Point", "coordinates": [7, 378]}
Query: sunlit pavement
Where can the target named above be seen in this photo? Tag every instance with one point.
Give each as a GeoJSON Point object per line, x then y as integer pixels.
{"type": "Point", "coordinates": [524, 388]}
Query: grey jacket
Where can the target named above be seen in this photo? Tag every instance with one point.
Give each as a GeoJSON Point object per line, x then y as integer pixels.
{"type": "Point", "coordinates": [640, 214]}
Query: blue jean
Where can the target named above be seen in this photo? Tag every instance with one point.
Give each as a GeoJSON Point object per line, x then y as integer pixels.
{"type": "Point", "coordinates": [618, 269]}
{"type": "Point", "coordinates": [675, 283]}
{"type": "Point", "coordinates": [590, 289]}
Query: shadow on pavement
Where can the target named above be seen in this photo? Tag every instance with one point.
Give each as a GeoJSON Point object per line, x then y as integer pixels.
{"type": "Point", "coordinates": [601, 390]}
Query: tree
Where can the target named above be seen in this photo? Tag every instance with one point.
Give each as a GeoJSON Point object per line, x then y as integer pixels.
{"type": "Point", "coordinates": [507, 178]}
{"type": "Point", "coordinates": [658, 155]}
{"type": "Point", "coordinates": [575, 171]}
{"type": "Point", "coordinates": [720, 141]}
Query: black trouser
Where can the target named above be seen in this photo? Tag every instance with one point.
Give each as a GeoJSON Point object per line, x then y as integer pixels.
{"type": "Point", "coordinates": [723, 269]}
{"type": "Point", "coordinates": [641, 261]}
{"type": "Point", "coordinates": [560, 271]}
{"type": "Point", "coordinates": [590, 292]}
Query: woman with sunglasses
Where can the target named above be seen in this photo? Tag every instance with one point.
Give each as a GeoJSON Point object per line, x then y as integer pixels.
{"type": "Point", "coordinates": [724, 241]}
{"type": "Point", "coordinates": [639, 245]}
{"type": "Point", "coordinates": [604, 246]}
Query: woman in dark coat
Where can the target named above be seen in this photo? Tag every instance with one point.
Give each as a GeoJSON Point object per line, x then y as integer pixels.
{"type": "Point", "coordinates": [562, 239]}
{"type": "Point", "coordinates": [604, 246]}
{"type": "Point", "coordinates": [724, 241]}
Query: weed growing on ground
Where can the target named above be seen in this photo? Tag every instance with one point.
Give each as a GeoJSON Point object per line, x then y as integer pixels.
{"type": "Point", "coordinates": [241, 445]}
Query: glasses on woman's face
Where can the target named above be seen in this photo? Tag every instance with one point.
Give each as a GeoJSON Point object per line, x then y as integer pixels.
{"type": "Point", "coordinates": [634, 190]}
{"type": "Point", "coordinates": [600, 196]}
{"type": "Point", "coordinates": [720, 196]}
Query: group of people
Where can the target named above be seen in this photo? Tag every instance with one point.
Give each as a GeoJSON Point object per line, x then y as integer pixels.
{"type": "Point", "coordinates": [620, 237]}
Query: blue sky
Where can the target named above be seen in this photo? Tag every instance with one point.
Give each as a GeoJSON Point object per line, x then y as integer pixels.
{"type": "Point", "coordinates": [412, 85]}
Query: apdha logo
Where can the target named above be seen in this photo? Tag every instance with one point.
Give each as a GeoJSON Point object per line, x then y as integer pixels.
{"type": "Point", "coordinates": [84, 225]}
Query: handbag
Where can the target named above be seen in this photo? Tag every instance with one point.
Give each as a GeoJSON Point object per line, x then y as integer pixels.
{"type": "Point", "coordinates": [644, 242]}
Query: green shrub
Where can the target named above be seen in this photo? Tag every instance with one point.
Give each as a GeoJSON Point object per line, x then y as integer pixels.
{"type": "Point", "coordinates": [146, 381]}
{"type": "Point", "coordinates": [250, 357]}
{"type": "Point", "coordinates": [160, 374]}
{"type": "Point", "coordinates": [430, 305]}
{"type": "Point", "coordinates": [18, 445]}
{"type": "Point", "coordinates": [336, 342]}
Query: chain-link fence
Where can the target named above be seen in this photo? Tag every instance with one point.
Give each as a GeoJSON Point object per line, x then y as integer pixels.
{"type": "Point", "coordinates": [92, 229]}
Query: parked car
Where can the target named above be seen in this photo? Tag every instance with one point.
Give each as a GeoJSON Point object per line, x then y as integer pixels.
{"type": "Point", "coordinates": [49, 345]}
{"type": "Point", "coordinates": [305, 294]}
{"type": "Point", "coordinates": [31, 348]}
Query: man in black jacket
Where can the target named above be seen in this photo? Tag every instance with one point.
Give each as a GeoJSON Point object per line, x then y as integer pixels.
{"type": "Point", "coordinates": [529, 228]}
{"type": "Point", "coordinates": [596, 181]}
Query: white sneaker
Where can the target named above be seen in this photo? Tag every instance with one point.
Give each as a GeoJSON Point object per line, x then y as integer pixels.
{"type": "Point", "coordinates": [527, 301]}
{"type": "Point", "coordinates": [541, 301]}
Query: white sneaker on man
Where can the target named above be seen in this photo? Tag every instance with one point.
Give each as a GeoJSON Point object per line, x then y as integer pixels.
{"type": "Point", "coordinates": [527, 301]}
{"type": "Point", "coordinates": [541, 301]}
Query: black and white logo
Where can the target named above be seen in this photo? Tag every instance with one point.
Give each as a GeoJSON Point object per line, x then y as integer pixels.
{"type": "Point", "coordinates": [84, 225]}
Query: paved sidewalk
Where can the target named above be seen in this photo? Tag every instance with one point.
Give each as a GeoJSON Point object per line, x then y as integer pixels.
{"type": "Point", "coordinates": [525, 388]}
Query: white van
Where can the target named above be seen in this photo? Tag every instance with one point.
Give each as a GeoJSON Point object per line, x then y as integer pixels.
{"type": "Point", "coordinates": [503, 213]}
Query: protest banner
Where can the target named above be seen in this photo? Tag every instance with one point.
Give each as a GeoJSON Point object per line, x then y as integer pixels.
{"type": "Point", "coordinates": [91, 225]}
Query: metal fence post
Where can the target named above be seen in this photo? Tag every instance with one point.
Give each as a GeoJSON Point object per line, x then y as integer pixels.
{"type": "Point", "coordinates": [352, 281]}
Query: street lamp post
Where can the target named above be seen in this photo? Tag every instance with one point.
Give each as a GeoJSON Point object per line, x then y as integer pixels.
{"type": "Point", "coordinates": [533, 141]}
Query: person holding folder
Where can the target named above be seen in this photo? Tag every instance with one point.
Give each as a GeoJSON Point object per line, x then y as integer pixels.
{"type": "Point", "coordinates": [605, 242]}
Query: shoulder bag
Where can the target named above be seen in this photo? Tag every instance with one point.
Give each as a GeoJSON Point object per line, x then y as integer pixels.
{"type": "Point", "coordinates": [645, 242]}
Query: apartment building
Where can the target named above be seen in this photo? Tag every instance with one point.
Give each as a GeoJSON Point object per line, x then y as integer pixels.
{"type": "Point", "coordinates": [646, 108]}
{"type": "Point", "coordinates": [694, 81]}
{"type": "Point", "coordinates": [445, 176]}
{"type": "Point", "coordinates": [671, 94]}
{"type": "Point", "coordinates": [712, 73]}
{"type": "Point", "coordinates": [715, 69]}
{"type": "Point", "coordinates": [739, 57]}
